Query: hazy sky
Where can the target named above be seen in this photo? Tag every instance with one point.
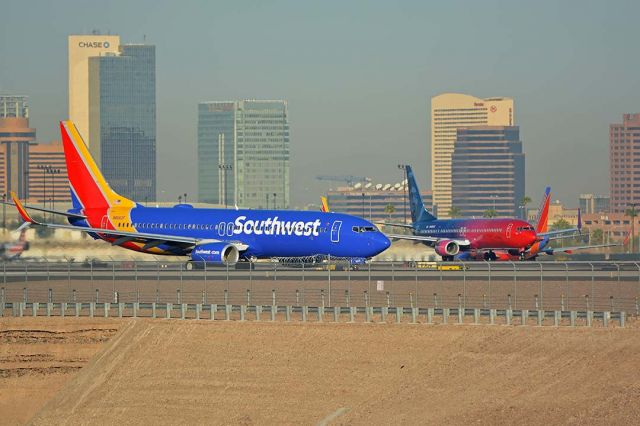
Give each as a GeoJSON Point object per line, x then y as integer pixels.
{"type": "Point", "coordinates": [358, 76]}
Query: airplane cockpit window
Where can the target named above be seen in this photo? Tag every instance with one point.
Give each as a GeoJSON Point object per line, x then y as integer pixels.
{"type": "Point", "coordinates": [359, 229]}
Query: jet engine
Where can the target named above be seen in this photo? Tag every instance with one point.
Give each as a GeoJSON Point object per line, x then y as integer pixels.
{"type": "Point", "coordinates": [223, 253]}
{"type": "Point", "coordinates": [447, 248]}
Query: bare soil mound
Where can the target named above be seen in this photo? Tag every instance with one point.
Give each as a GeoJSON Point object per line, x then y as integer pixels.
{"type": "Point", "coordinates": [38, 356]}
{"type": "Point", "coordinates": [184, 372]}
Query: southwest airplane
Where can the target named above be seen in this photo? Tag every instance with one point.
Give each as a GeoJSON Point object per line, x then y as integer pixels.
{"type": "Point", "coordinates": [13, 249]}
{"type": "Point", "coordinates": [466, 238]}
{"type": "Point", "coordinates": [204, 235]}
{"type": "Point", "coordinates": [541, 246]}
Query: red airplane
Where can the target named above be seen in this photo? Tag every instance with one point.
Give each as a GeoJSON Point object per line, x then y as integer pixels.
{"type": "Point", "coordinates": [13, 249]}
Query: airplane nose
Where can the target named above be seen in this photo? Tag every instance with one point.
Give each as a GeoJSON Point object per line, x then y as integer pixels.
{"type": "Point", "coordinates": [380, 242]}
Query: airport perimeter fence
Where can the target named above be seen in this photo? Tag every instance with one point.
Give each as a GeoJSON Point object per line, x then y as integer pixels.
{"type": "Point", "coordinates": [563, 286]}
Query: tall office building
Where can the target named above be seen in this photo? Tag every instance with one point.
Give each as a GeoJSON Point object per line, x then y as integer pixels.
{"type": "Point", "coordinates": [15, 137]}
{"type": "Point", "coordinates": [488, 171]}
{"type": "Point", "coordinates": [624, 162]}
{"type": "Point", "coordinates": [590, 203]}
{"type": "Point", "coordinates": [450, 111]}
{"type": "Point", "coordinates": [80, 49]}
{"type": "Point", "coordinates": [122, 119]}
{"type": "Point", "coordinates": [243, 153]}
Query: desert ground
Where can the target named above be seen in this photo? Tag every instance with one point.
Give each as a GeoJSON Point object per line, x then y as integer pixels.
{"type": "Point", "coordinates": [143, 371]}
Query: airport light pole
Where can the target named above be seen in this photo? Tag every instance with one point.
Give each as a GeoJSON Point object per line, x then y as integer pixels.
{"type": "Point", "coordinates": [4, 213]}
{"type": "Point", "coordinates": [44, 168]}
{"type": "Point", "coordinates": [225, 168]}
{"type": "Point", "coordinates": [632, 213]}
{"type": "Point", "coordinates": [404, 189]}
{"type": "Point", "coordinates": [494, 197]}
{"type": "Point", "coordinates": [52, 171]}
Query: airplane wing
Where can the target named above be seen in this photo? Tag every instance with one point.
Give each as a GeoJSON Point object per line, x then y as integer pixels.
{"type": "Point", "coordinates": [551, 251]}
{"type": "Point", "coordinates": [559, 233]}
{"type": "Point", "coordinates": [400, 225]}
{"type": "Point", "coordinates": [427, 239]}
{"type": "Point", "coordinates": [149, 239]}
{"type": "Point", "coordinates": [67, 214]}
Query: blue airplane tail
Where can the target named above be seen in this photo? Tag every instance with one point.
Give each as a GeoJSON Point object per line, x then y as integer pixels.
{"type": "Point", "coordinates": [419, 213]}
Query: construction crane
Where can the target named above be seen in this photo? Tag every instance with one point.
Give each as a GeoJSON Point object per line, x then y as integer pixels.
{"type": "Point", "coordinates": [349, 179]}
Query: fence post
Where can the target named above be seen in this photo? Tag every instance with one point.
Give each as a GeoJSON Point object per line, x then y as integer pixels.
{"type": "Point", "coordinates": [541, 281]}
{"type": "Point", "coordinates": [273, 297]}
{"type": "Point", "coordinates": [611, 303]}
{"type": "Point", "coordinates": [515, 286]}
{"type": "Point", "coordinates": [489, 263]}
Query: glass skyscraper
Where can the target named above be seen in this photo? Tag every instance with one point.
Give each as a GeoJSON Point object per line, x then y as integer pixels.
{"type": "Point", "coordinates": [243, 153]}
{"type": "Point", "coordinates": [488, 171]}
{"type": "Point", "coordinates": [122, 119]}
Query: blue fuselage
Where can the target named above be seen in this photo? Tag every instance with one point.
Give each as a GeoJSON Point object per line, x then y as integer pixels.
{"type": "Point", "coordinates": [266, 233]}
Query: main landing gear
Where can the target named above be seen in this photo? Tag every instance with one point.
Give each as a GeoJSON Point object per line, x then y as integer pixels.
{"type": "Point", "coordinates": [490, 256]}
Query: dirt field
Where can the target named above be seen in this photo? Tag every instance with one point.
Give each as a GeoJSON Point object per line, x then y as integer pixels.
{"type": "Point", "coordinates": [37, 357]}
{"type": "Point", "coordinates": [171, 371]}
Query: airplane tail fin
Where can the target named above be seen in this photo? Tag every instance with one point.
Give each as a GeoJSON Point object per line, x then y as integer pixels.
{"type": "Point", "coordinates": [325, 205]}
{"type": "Point", "coordinates": [543, 212]}
{"type": "Point", "coordinates": [419, 213]}
{"type": "Point", "coordinates": [88, 187]}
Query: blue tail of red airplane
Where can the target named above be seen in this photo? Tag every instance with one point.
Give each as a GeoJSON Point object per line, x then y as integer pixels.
{"type": "Point", "coordinates": [419, 213]}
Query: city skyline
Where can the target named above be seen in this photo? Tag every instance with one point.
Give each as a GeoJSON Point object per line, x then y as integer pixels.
{"type": "Point", "coordinates": [358, 78]}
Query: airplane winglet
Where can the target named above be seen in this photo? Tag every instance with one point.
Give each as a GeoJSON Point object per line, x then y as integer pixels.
{"type": "Point", "coordinates": [23, 212]}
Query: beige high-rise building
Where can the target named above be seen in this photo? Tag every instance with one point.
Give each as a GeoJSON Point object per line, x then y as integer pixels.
{"type": "Point", "coordinates": [449, 111]}
{"type": "Point", "coordinates": [81, 48]}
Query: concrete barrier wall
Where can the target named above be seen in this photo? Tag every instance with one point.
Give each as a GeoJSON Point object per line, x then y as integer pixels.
{"type": "Point", "coordinates": [303, 313]}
